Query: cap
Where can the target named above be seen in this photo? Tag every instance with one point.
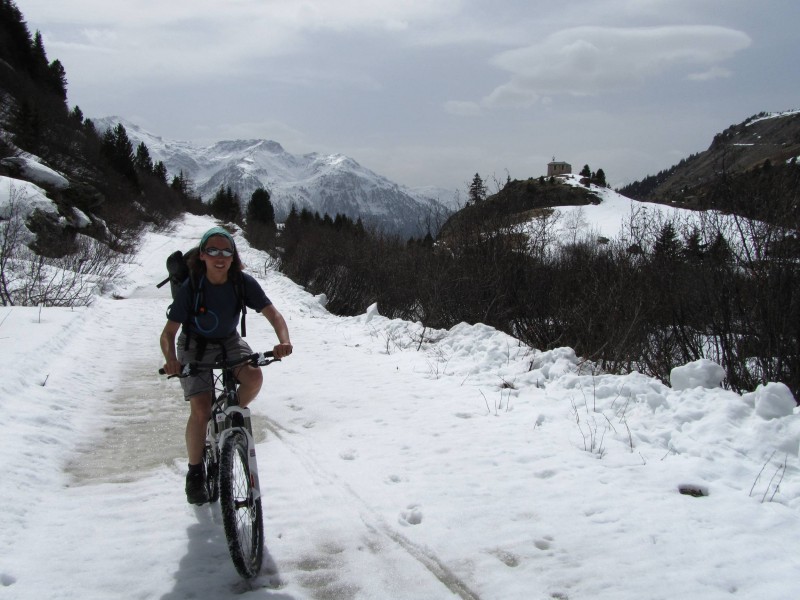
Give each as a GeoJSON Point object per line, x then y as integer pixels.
{"type": "Point", "coordinates": [216, 231]}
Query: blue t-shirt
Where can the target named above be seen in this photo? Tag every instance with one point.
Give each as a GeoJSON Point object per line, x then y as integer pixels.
{"type": "Point", "coordinates": [222, 308]}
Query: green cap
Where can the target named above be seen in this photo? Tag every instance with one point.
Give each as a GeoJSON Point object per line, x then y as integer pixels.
{"type": "Point", "coordinates": [216, 231]}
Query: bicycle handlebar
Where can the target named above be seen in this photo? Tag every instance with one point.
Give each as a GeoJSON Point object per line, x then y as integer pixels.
{"type": "Point", "coordinates": [257, 359]}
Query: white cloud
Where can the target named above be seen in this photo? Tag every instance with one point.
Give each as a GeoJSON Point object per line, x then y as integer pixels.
{"type": "Point", "coordinates": [308, 14]}
{"type": "Point", "coordinates": [462, 108]}
{"type": "Point", "coordinates": [189, 39]}
{"type": "Point", "coordinates": [712, 73]}
{"type": "Point", "coordinates": [591, 60]}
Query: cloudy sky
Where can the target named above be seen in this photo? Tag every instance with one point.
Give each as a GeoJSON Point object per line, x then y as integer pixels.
{"type": "Point", "coordinates": [429, 92]}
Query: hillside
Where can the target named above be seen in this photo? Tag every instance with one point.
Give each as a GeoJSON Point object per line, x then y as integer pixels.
{"type": "Point", "coordinates": [520, 201]}
{"type": "Point", "coordinates": [758, 153]}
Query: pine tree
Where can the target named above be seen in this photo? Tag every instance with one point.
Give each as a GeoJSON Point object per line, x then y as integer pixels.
{"type": "Point", "coordinates": [28, 127]}
{"type": "Point", "coordinates": [118, 149]}
{"type": "Point", "coordinates": [600, 178]}
{"type": "Point", "coordinates": [694, 245]}
{"type": "Point", "coordinates": [143, 161]}
{"type": "Point", "coordinates": [225, 205]}
{"type": "Point", "coordinates": [667, 245]}
{"type": "Point", "coordinates": [719, 251]}
{"type": "Point", "coordinates": [477, 190]}
{"type": "Point", "coordinates": [77, 115]}
{"type": "Point", "coordinates": [39, 56]}
{"type": "Point", "coordinates": [16, 47]}
{"type": "Point", "coordinates": [180, 183]}
{"type": "Point", "coordinates": [160, 171]}
{"type": "Point", "coordinates": [260, 209]}
{"type": "Point", "coordinates": [57, 79]}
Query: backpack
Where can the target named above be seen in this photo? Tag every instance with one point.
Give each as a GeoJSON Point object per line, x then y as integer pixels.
{"type": "Point", "coordinates": [178, 269]}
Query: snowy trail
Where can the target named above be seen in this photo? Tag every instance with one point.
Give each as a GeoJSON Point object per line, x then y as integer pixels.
{"type": "Point", "coordinates": [122, 491]}
{"type": "Point", "coordinates": [394, 555]}
{"type": "Point", "coordinates": [460, 470]}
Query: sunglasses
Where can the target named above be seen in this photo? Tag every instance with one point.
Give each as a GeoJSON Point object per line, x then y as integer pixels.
{"type": "Point", "coordinates": [219, 251]}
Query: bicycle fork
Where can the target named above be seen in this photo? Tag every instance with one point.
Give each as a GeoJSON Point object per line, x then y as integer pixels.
{"type": "Point", "coordinates": [237, 418]}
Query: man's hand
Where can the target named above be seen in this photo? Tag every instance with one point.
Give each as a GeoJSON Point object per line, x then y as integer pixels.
{"type": "Point", "coordinates": [282, 350]}
{"type": "Point", "coordinates": [172, 367]}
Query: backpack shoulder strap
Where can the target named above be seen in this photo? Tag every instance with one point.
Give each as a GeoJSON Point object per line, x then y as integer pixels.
{"type": "Point", "coordinates": [196, 304]}
{"type": "Point", "coordinates": [238, 286]}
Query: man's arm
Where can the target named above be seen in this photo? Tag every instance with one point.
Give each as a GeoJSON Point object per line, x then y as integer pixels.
{"type": "Point", "coordinates": [284, 347]}
{"type": "Point", "coordinates": [172, 366]}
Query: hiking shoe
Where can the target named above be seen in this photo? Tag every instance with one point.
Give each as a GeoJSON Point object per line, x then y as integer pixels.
{"type": "Point", "coordinates": [196, 488]}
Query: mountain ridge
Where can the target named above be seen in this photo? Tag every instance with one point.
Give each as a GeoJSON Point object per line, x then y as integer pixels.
{"type": "Point", "coordinates": [325, 183]}
{"type": "Point", "coordinates": [740, 148]}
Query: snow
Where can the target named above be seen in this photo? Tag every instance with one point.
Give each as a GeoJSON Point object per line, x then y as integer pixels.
{"type": "Point", "coordinates": [775, 115]}
{"type": "Point", "coordinates": [31, 168]}
{"type": "Point", "coordinates": [607, 218]}
{"type": "Point", "coordinates": [396, 463]}
{"type": "Point", "coordinates": [700, 373]}
{"type": "Point", "coordinates": [774, 401]}
{"type": "Point", "coordinates": [81, 220]}
{"type": "Point", "coordinates": [27, 196]}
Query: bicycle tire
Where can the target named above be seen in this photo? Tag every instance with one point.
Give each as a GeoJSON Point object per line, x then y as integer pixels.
{"type": "Point", "coordinates": [241, 515]}
{"type": "Point", "coordinates": [211, 461]}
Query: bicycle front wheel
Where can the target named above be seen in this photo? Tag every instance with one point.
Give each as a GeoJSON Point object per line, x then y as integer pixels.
{"type": "Point", "coordinates": [241, 513]}
{"type": "Point", "coordinates": [211, 461]}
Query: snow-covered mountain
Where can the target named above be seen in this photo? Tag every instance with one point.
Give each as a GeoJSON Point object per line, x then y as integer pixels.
{"type": "Point", "coordinates": [329, 184]}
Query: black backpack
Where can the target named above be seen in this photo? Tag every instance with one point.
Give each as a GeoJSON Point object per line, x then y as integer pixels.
{"type": "Point", "coordinates": [178, 269]}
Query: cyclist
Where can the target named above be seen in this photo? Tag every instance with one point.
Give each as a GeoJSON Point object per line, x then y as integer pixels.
{"type": "Point", "coordinates": [209, 314]}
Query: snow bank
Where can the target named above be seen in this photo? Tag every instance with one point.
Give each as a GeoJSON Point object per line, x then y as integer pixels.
{"type": "Point", "coordinates": [25, 196]}
{"type": "Point", "coordinates": [35, 171]}
{"type": "Point", "coordinates": [773, 401]}
{"type": "Point", "coordinates": [700, 373]}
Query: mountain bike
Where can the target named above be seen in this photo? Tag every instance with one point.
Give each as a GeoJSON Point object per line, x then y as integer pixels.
{"type": "Point", "coordinates": [230, 461]}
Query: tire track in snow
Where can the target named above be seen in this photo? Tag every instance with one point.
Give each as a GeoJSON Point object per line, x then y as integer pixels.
{"type": "Point", "coordinates": [373, 522]}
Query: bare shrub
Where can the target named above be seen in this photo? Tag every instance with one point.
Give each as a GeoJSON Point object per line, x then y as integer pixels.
{"type": "Point", "coordinates": [29, 279]}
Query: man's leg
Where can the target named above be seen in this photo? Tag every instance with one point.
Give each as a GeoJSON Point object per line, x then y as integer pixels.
{"type": "Point", "coordinates": [196, 426]}
{"type": "Point", "coordinates": [250, 381]}
{"type": "Point", "coordinates": [250, 378]}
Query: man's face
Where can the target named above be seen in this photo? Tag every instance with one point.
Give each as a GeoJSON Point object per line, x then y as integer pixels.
{"type": "Point", "coordinates": [213, 255]}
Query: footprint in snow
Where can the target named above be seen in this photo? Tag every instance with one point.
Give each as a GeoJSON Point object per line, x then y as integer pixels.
{"type": "Point", "coordinates": [411, 516]}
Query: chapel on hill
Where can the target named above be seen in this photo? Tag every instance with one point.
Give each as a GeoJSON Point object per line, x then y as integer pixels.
{"type": "Point", "coordinates": [558, 167]}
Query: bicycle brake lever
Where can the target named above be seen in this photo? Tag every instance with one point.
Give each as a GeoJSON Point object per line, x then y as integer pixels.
{"type": "Point", "coordinates": [163, 372]}
{"type": "Point", "coordinates": [265, 358]}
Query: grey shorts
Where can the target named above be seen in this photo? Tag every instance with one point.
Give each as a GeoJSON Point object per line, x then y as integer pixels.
{"type": "Point", "coordinates": [235, 347]}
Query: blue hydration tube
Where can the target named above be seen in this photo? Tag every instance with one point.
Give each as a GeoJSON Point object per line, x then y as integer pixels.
{"type": "Point", "coordinates": [208, 313]}
{"type": "Point", "coordinates": [205, 311]}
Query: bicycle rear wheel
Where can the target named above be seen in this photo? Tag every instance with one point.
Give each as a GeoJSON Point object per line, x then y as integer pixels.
{"type": "Point", "coordinates": [241, 514]}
